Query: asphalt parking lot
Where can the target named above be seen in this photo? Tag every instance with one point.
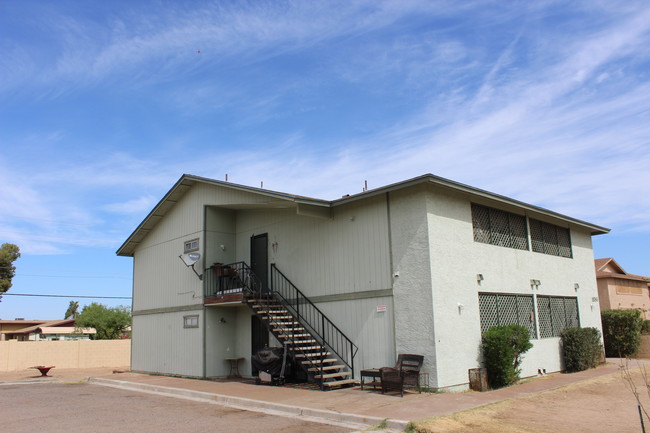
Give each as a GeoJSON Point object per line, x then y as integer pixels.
{"type": "Point", "coordinates": [83, 407]}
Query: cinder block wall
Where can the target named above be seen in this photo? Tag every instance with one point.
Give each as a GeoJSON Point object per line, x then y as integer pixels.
{"type": "Point", "coordinates": [19, 355]}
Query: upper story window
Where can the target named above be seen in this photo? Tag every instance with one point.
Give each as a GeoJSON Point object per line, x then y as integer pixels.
{"type": "Point", "coordinates": [550, 239]}
{"type": "Point", "coordinates": [497, 227]}
{"type": "Point", "coordinates": [190, 246]}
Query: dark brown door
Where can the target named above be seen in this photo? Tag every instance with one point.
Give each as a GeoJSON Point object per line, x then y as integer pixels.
{"type": "Point", "coordinates": [260, 258]}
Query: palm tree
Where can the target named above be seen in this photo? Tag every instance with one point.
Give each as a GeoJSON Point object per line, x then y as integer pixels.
{"type": "Point", "coordinates": [73, 310]}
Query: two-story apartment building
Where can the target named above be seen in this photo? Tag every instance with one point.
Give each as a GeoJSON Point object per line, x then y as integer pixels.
{"type": "Point", "coordinates": [421, 266]}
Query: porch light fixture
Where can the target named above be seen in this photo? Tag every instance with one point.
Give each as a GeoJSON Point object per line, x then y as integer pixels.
{"type": "Point", "coordinates": [479, 278]}
{"type": "Point", "coordinates": [576, 286]}
{"type": "Point", "coordinates": [534, 284]}
{"type": "Point", "coordinates": [190, 260]}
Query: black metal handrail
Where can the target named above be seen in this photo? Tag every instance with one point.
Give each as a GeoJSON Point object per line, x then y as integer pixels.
{"type": "Point", "coordinates": [318, 324]}
{"type": "Point", "coordinates": [232, 278]}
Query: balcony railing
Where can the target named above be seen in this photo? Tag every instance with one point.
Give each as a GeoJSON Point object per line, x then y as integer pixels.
{"type": "Point", "coordinates": [230, 279]}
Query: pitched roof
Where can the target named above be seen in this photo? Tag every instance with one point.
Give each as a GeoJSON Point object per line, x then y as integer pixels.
{"type": "Point", "coordinates": [603, 264]}
{"type": "Point", "coordinates": [50, 323]}
{"type": "Point", "coordinates": [186, 181]}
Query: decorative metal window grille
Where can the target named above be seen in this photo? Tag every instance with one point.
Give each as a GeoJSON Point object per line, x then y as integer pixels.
{"type": "Point", "coordinates": [555, 314]}
{"type": "Point", "coordinates": [498, 309]}
{"type": "Point", "coordinates": [550, 239]}
{"type": "Point", "coordinates": [497, 227]}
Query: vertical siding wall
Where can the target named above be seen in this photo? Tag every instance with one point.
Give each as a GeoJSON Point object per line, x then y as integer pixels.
{"type": "Point", "coordinates": [229, 339]}
{"type": "Point", "coordinates": [344, 254]}
{"type": "Point", "coordinates": [163, 283]}
{"type": "Point", "coordinates": [162, 345]}
{"type": "Point", "coordinates": [455, 262]}
{"type": "Point", "coordinates": [348, 253]}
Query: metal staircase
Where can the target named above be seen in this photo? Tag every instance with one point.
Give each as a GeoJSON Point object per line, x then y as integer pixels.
{"type": "Point", "coordinates": [314, 342]}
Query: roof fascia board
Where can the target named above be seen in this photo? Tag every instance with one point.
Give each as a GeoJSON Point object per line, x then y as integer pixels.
{"type": "Point", "coordinates": [314, 211]}
{"type": "Point", "coordinates": [259, 191]}
{"type": "Point", "coordinates": [476, 192]}
{"type": "Point", "coordinates": [188, 180]}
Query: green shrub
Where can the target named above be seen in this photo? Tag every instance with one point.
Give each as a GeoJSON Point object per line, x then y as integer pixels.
{"type": "Point", "coordinates": [502, 350]}
{"type": "Point", "coordinates": [622, 332]}
{"type": "Point", "coordinates": [582, 348]}
{"type": "Point", "coordinates": [645, 328]}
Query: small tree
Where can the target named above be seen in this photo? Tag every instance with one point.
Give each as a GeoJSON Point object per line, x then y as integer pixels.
{"type": "Point", "coordinates": [622, 332]}
{"type": "Point", "coordinates": [108, 322]}
{"type": "Point", "coordinates": [9, 253]}
{"type": "Point", "coordinates": [73, 310]}
{"type": "Point", "coordinates": [582, 348]}
{"type": "Point", "coordinates": [502, 350]}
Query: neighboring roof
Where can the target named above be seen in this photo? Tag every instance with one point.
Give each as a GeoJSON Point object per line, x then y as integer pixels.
{"type": "Point", "coordinates": [58, 330]}
{"type": "Point", "coordinates": [21, 322]}
{"type": "Point", "coordinates": [602, 264]}
{"type": "Point", "coordinates": [51, 323]}
{"type": "Point", "coordinates": [187, 181]}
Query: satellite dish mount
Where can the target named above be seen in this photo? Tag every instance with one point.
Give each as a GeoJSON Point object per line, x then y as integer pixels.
{"type": "Point", "coordinates": [190, 259]}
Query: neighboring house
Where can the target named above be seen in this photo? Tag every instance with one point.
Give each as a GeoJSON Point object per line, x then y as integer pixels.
{"type": "Point", "coordinates": [618, 290]}
{"type": "Point", "coordinates": [8, 326]}
{"type": "Point", "coordinates": [422, 266]}
{"type": "Point", "coordinates": [50, 330]}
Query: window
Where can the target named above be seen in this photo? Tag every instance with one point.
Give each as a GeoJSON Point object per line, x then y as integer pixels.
{"type": "Point", "coordinates": [550, 239]}
{"type": "Point", "coordinates": [497, 227]}
{"type": "Point", "coordinates": [191, 321]}
{"type": "Point", "coordinates": [503, 309]}
{"type": "Point", "coordinates": [555, 314]}
{"type": "Point", "coordinates": [190, 246]}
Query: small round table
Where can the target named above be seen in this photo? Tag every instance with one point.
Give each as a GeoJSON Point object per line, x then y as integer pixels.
{"type": "Point", "coordinates": [43, 369]}
{"type": "Point", "coordinates": [234, 366]}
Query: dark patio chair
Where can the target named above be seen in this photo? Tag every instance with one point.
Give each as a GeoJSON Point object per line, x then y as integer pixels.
{"type": "Point", "coordinates": [405, 373]}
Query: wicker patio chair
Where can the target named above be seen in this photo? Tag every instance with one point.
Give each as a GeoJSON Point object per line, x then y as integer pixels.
{"type": "Point", "coordinates": [405, 373]}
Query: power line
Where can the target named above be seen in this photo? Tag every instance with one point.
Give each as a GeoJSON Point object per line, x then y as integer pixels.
{"type": "Point", "coordinates": [67, 296]}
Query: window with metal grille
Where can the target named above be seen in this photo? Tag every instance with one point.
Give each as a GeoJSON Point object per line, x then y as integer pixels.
{"type": "Point", "coordinates": [497, 227]}
{"type": "Point", "coordinates": [498, 309]}
{"type": "Point", "coordinates": [555, 314]}
{"type": "Point", "coordinates": [550, 239]}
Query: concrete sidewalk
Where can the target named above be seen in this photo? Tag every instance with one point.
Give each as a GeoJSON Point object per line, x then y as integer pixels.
{"type": "Point", "coordinates": [350, 406]}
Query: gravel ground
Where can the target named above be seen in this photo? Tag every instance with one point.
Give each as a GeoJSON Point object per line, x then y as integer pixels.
{"type": "Point", "coordinates": [82, 407]}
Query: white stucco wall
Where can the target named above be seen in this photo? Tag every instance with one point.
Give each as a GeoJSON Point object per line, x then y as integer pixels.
{"type": "Point", "coordinates": [412, 290]}
{"type": "Point", "coordinates": [456, 259]}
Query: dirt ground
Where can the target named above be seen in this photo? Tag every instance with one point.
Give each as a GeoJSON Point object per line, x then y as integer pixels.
{"type": "Point", "coordinates": [604, 404]}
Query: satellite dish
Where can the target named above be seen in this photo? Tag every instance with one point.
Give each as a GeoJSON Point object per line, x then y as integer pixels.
{"type": "Point", "coordinates": [190, 258]}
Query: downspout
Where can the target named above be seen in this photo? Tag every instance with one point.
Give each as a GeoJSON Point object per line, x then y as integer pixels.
{"type": "Point", "coordinates": [391, 270]}
{"type": "Point", "coordinates": [204, 311]}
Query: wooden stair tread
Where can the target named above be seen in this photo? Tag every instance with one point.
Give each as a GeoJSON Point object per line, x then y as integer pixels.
{"type": "Point", "coordinates": [332, 375]}
{"type": "Point", "coordinates": [311, 355]}
{"type": "Point", "coordinates": [343, 382]}
{"type": "Point", "coordinates": [326, 368]}
{"type": "Point", "coordinates": [318, 362]}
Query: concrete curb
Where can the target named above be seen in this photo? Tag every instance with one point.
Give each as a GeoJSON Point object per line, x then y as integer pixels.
{"type": "Point", "coordinates": [348, 420]}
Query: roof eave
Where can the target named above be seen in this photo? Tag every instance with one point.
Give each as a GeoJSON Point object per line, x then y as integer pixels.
{"type": "Point", "coordinates": [470, 190]}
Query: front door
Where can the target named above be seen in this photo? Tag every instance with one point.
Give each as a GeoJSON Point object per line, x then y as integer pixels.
{"type": "Point", "coordinates": [260, 258]}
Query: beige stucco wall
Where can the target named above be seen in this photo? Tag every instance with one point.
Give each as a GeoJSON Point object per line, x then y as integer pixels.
{"type": "Point", "coordinates": [614, 294]}
{"type": "Point", "coordinates": [19, 355]}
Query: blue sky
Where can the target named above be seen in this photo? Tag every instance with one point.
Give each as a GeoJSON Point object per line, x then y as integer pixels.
{"type": "Point", "coordinates": [103, 105]}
